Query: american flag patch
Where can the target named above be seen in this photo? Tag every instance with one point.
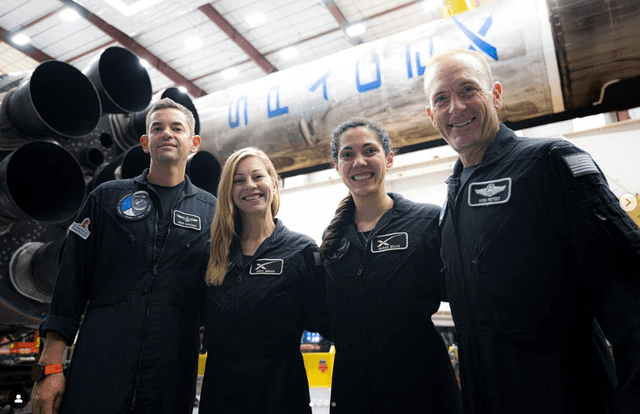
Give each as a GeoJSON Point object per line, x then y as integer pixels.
{"type": "Point", "coordinates": [317, 258]}
{"type": "Point", "coordinates": [580, 164]}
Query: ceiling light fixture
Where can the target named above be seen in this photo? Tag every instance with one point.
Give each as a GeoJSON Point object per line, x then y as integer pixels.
{"type": "Point", "coordinates": [193, 43]}
{"type": "Point", "coordinates": [355, 30]}
{"type": "Point", "coordinates": [68, 14]}
{"type": "Point", "coordinates": [20, 39]}
{"type": "Point", "coordinates": [133, 8]}
{"type": "Point", "coordinates": [288, 53]}
{"type": "Point", "coordinates": [255, 19]}
{"type": "Point", "coordinates": [144, 63]}
{"type": "Point", "coordinates": [182, 89]}
{"type": "Point", "coordinates": [230, 73]}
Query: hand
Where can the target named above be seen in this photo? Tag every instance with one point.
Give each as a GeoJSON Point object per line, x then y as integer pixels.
{"type": "Point", "coordinates": [46, 396]}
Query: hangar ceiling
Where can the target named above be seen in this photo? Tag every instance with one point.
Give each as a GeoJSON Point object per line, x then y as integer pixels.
{"type": "Point", "coordinates": [204, 46]}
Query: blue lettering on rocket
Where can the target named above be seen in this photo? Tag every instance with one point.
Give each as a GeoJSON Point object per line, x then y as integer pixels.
{"type": "Point", "coordinates": [278, 109]}
{"type": "Point", "coordinates": [407, 54]}
{"type": "Point", "coordinates": [322, 81]}
{"type": "Point", "coordinates": [236, 123]}
{"type": "Point", "coordinates": [479, 42]}
{"type": "Point", "coordinates": [419, 67]}
{"type": "Point", "coordinates": [363, 87]}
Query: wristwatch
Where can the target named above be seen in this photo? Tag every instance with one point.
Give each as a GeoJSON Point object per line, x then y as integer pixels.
{"type": "Point", "coordinates": [39, 371]}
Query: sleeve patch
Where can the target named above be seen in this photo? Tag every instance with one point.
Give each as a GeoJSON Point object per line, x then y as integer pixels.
{"type": "Point", "coordinates": [580, 164]}
{"type": "Point", "coordinates": [81, 229]}
{"type": "Point", "coordinates": [317, 258]}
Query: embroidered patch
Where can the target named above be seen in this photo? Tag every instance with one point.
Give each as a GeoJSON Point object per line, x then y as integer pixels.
{"type": "Point", "coordinates": [134, 207]}
{"type": "Point", "coordinates": [81, 229]}
{"type": "Point", "coordinates": [490, 192]}
{"type": "Point", "coordinates": [580, 164]}
{"type": "Point", "coordinates": [389, 242]}
{"type": "Point", "coordinates": [443, 211]}
{"type": "Point", "coordinates": [186, 220]}
{"type": "Point", "coordinates": [317, 258]}
{"type": "Point", "coordinates": [267, 267]}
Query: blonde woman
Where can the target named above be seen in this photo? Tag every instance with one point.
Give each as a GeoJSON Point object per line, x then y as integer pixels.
{"type": "Point", "coordinates": [265, 287]}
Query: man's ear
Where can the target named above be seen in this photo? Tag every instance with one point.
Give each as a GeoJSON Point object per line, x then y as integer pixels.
{"type": "Point", "coordinates": [390, 159]}
{"type": "Point", "coordinates": [497, 95]}
{"type": "Point", "coordinates": [144, 143]}
{"type": "Point", "coordinates": [196, 143]}
{"type": "Point", "coordinates": [427, 109]}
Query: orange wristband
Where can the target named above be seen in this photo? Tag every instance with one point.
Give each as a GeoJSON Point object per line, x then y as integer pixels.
{"type": "Point", "coordinates": [52, 369]}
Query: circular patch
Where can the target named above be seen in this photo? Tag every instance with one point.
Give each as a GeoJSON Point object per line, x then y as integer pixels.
{"type": "Point", "coordinates": [134, 207]}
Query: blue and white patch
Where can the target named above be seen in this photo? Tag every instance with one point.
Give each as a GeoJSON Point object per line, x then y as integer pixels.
{"type": "Point", "coordinates": [272, 267]}
{"type": "Point", "coordinates": [580, 164]}
{"type": "Point", "coordinates": [490, 192]}
{"type": "Point", "coordinates": [134, 207]}
{"type": "Point", "coordinates": [186, 220]}
{"type": "Point", "coordinates": [81, 229]}
{"type": "Point", "coordinates": [390, 242]}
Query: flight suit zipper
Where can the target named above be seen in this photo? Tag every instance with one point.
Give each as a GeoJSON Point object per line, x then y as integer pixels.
{"type": "Point", "coordinates": [149, 289]}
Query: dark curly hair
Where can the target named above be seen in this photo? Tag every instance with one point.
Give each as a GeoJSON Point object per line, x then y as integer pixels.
{"type": "Point", "coordinates": [346, 209]}
{"type": "Point", "coordinates": [380, 133]}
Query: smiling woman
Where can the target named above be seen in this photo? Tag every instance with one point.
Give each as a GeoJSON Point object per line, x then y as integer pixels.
{"type": "Point", "coordinates": [382, 262]}
{"type": "Point", "coordinates": [266, 287]}
{"type": "Point", "coordinates": [253, 188]}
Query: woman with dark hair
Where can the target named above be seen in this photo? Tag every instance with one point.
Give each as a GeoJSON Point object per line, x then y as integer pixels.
{"type": "Point", "coordinates": [265, 287]}
{"type": "Point", "coordinates": [382, 261]}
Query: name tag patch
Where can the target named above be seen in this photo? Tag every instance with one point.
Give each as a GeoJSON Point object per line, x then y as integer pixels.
{"type": "Point", "coordinates": [389, 242]}
{"type": "Point", "coordinates": [267, 267]}
{"type": "Point", "coordinates": [186, 220]}
{"type": "Point", "coordinates": [81, 229]}
{"type": "Point", "coordinates": [490, 192]}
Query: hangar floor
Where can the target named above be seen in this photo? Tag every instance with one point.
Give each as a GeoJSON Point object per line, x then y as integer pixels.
{"type": "Point", "coordinates": [320, 399]}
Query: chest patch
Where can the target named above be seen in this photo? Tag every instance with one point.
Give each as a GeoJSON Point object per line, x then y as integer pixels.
{"type": "Point", "coordinates": [389, 242]}
{"type": "Point", "coordinates": [186, 220]}
{"type": "Point", "coordinates": [134, 207]}
{"type": "Point", "coordinates": [490, 192]}
{"type": "Point", "coordinates": [267, 267]}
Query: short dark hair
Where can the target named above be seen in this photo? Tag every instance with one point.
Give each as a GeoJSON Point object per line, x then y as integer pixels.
{"type": "Point", "coordinates": [170, 103]}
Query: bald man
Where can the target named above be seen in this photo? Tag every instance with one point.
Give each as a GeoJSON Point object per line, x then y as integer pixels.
{"type": "Point", "coordinates": [538, 257]}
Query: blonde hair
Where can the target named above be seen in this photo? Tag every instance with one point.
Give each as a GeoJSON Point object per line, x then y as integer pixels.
{"type": "Point", "coordinates": [226, 221]}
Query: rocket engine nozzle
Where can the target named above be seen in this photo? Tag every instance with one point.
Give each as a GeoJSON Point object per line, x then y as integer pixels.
{"type": "Point", "coordinates": [122, 82]}
{"type": "Point", "coordinates": [40, 181]}
{"type": "Point", "coordinates": [34, 268]}
{"type": "Point", "coordinates": [204, 170]}
{"type": "Point", "coordinates": [56, 100]}
{"type": "Point", "coordinates": [130, 127]}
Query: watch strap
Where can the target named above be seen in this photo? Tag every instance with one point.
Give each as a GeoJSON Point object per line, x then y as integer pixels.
{"type": "Point", "coordinates": [52, 369]}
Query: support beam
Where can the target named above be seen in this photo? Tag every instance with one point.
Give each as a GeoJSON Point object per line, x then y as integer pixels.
{"type": "Point", "coordinates": [35, 54]}
{"type": "Point", "coordinates": [319, 35]}
{"type": "Point", "coordinates": [138, 49]}
{"type": "Point", "coordinates": [248, 48]}
{"type": "Point", "coordinates": [342, 21]}
{"type": "Point", "coordinates": [336, 12]}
